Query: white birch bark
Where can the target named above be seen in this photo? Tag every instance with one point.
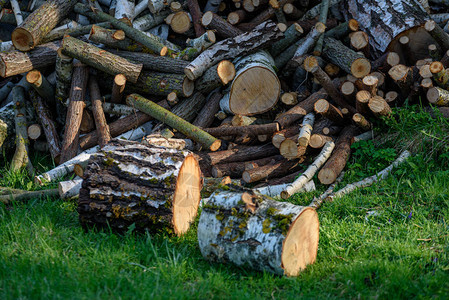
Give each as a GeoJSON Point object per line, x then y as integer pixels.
{"type": "Point", "coordinates": [310, 172]}
{"type": "Point", "coordinates": [155, 6]}
{"type": "Point", "coordinates": [139, 8]}
{"type": "Point", "coordinates": [149, 21]}
{"type": "Point", "coordinates": [70, 188]}
{"type": "Point", "coordinates": [306, 129]}
{"type": "Point", "coordinates": [125, 10]}
{"type": "Point", "coordinates": [17, 12]}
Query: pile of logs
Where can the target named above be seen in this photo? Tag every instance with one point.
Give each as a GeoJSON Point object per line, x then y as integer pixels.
{"type": "Point", "coordinates": [243, 91]}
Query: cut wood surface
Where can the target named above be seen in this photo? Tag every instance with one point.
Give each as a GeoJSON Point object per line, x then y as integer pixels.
{"type": "Point", "coordinates": [155, 188]}
{"type": "Point", "coordinates": [254, 236]}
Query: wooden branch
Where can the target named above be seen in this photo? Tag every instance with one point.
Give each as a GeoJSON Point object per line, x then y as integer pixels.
{"type": "Point", "coordinates": [243, 130]}
{"type": "Point", "coordinates": [27, 195]}
{"type": "Point", "coordinates": [437, 33]}
{"type": "Point", "coordinates": [327, 110]}
{"type": "Point", "coordinates": [29, 34]}
{"type": "Point", "coordinates": [156, 83]}
{"type": "Point", "coordinates": [318, 201]}
{"type": "Point", "coordinates": [379, 106]}
{"type": "Point", "coordinates": [361, 122]}
{"type": "Point", "coordinates": [196, 14]}
{"type": "Point", "coordinates": [48, 126]}
{"type": "Point", "coordinates": [262, 36]}
{"type": "Point", "coordinates": [291, 35]}
{"type": "Point", "coordinates": [97, 109]}
{"type": "Point", "coordinates": [70, 189]}
{"type": "Point", "coordinates": [75, 112]}
{"type": "Point", "coordinates": [100, 59]}
{"type": "Point", "coordinates": [163, 115]}
{"type": "Point", "coordinates": [323, 17]}
{"type": "Point", "coordinates": [310, 172]}
{"type": "Point", "coordinates": [149, 21]}
{"type": "Point", "coordinates": [372, 179]}
{"type": "Point", "coordinates": [216, 76]}
{"type": "Point", "coordinates": [337, 161]}
{"type": "Point", "coordinates": [438, 96]}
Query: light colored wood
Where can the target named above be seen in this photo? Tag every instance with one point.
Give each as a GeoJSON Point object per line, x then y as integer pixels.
{"type": "Point", "coordinates": [290, 98]}
{"type": "Point", "coordinates": [118, 88]}
{"type": "Point", "coordinates": [306, 130]}
{"type": "Point", "coordinates": [180, 22]}
{"type": "Point", "coordinates": [361, 122]}
{"type": "Point", "coordinates": [34, 131]}
{"type": "Point", "coordinates": [379, 106]}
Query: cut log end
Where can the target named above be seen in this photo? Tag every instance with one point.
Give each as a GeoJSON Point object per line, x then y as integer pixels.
{"type": "Point", "coordinates": [226, 71]}
{"type": "Point", "coordinates": [34, 77]}
{"type": "Point", "coordinates": [436, 67]}
{"type": "Point", "coordinates": [120, 79]}
{"type": "Point", "coordinates": [327, 176]}
{"type": "Point", "coordinates": [187, 195]}
{"type": "Point", "coordinates": [188, 87]}
{"type": "Point", "coordinates": [301, 243]}
{"type": "Point", "coordinates": [360, 67]}
{"type": "Point", "coordinates": [22, 39]}
{"type": "Point", "coordinates": [207, 18]}
{"type": "Point", "coordinates": [353, 25]}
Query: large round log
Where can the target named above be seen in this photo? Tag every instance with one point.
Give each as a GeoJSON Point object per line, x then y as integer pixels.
{"type": "Point", "coordinates": [256, 87]}
{"type": "Point", "coordinates": [254, 230]}
{"type": "Point", "coordinates": [128, 183]}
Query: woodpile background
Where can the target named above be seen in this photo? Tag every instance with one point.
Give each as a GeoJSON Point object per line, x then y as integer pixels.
{"type": "Point", "coordinates": [254, 89]}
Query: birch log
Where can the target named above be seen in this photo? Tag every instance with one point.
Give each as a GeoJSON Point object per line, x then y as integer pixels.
{"type": "Point", "coordinates": [253, 230]}
{"type": "Point", "coordinates": [154, 188]}
{"type": "Point", "coordinates": [262, 36]}
{"type": "Point", "coordinates": [307, 176]}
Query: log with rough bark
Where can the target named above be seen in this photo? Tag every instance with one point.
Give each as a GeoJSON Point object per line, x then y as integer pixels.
{"type": "Point", "coordinates": [403, 77]}
{"type": "Point", "coordinates": [17, 62]}
{"type": "Point", "coordinates": [156, 83]}
{"type": "Point", "coordinates": [215, 77]}
{"type": "Point", "coordinates": [290, 98]}
{"type": "Point", "coordinates": [276, 169]}
{"type": "Point", "coordinates": [348, 90]}
{"type": "Point", "coordinates": [206, 116]}
{"type": "Point", "coordinates": [153, 62]}
{"type": "Point", "coordinates": [385, 62]}
{"type": "Point", "coordinates": [172, 120]}
{"type": "Point", "coordinates": [437, 33]}
{"type": "Point", "coordinates": [385, 21]}
{"type": "Point", "coordinates": [41, 85]}
{"type": "Point", "coordinates": [74, 112]}
{"type": "Point", "coordinates": [29, 34]}
{"type": "Point", "coordinates": [262, 36]}
{"type": "Point", "coordinates": [253, 230]}
{"type": "Point", "coordinates": [100, 59]}
{"type": "Point", "coordinates": [362, 99]}
{"type": "Point", "coordinates": [348, 60]}
{"type": "Point", "coordinates": [327, 110]}
{"type": "Point", "coordinates": [439, 74]}
{"type": "Point", "coordinates": [48, 126]}
{"type": "Point", "coordinates": [196, 14]}
{"type": "Point", "coordinates": [308, 174]}
{"type": "Point", "coordinates": [154, 188]}
{"type": "Point", "coordinates": [64, 68]}
{"type": "Point", "coordinates": [280, 136]}
{"type": "Point", "coordinates": [255, 88]}
{"type": "Point", "coordinates": [215, 22]}
{"type": "Point", "coordinates": [361, 121]}
{"type": "Point", "coordinates": [318, 140]}
{"type": "Point", "coordinates": [336, 163]}
{"type": "Point", "coordinates": [97, 110]}
{"type": "Point", "coordinates": [118, 88]}
{"type": "Point", "coordinates": [243, 130]}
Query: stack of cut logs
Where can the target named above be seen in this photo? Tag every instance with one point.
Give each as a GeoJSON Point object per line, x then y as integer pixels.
{"type": "Point", "coordinates": [247, 89]}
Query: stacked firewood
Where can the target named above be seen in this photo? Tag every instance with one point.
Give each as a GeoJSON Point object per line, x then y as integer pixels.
{"type": "Point", "coordinates": [248, 89]}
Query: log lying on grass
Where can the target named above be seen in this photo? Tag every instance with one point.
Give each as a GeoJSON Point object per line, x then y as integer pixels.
{"type": "Point", "coordinates": [152, 187]}
{"type": "Point", "coordinates": [253, 230]}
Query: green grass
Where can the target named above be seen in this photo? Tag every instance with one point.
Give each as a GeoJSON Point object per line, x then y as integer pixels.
{"type": "Point", "coordinates": [387, 241]}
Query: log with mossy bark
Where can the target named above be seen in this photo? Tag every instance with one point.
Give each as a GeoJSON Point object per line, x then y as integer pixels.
{"type": "Point", "coordinates": [336, 163]}
{"type": "Point", "coordinates": [74, 112]}
{"type": "Point", "coordinates": [163, 115]}
{"type": "Point", "coordinates": [21, 155]}
{"type": "Point", "coordinates": [17, 62]}
{"type": "Point", "coordinates": [154, 188]}
{"type": "Point", "coordinates": [244, 228]}
{"type": "Point", "coordinates": [64, 68]}
{"type": "Point", "coordinates": [29, 34]}
{"type": "Point", "coordinates": [100, 59]}
{"type": "Point", "coordinates": [348, 60]}
{"type": "Point", "coordinates": [438, 96]}
{"type": "Point", "coordinates": [255, 88]}
{"type": "Point", "coordinates": [155, 83]}
{"type": "Point", "coordinates": [118, 127]}
{"type": "Point", "coordinates": [262, 36]}
{"type": "Point", "coordinates": [392, 19]}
